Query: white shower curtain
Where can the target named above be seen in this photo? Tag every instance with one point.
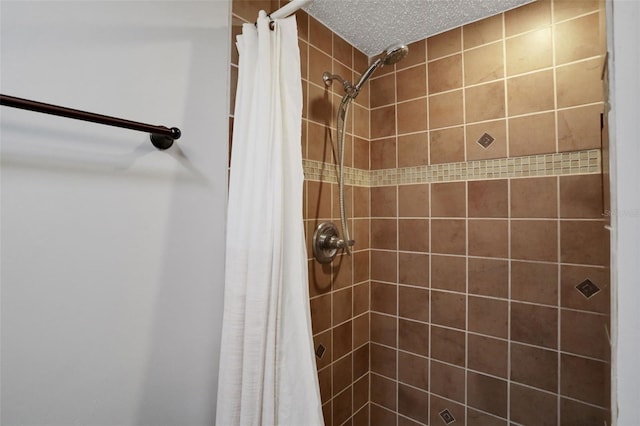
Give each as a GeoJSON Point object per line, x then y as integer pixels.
{"type": "Point", "coordinates": [267, 365]}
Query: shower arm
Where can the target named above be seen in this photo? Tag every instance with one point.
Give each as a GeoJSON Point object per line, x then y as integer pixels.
{"type": "Point", "coordinates": [348, 87]}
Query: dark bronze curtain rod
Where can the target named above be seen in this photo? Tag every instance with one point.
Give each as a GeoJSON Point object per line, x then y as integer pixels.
{"type": "Point", "coordinates": [161, 137]}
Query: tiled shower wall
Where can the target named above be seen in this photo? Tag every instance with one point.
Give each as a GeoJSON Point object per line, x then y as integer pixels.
{"type": "Point", "coordinates": [475, 314]}
{"type": "Point", "coordinates": [474, 252]}
{"type": "Point", "coordinates": [339, 291]}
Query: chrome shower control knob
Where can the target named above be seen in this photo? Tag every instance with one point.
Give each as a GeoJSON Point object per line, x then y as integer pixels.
{"type": "Point", "coordinates": [327, 242]}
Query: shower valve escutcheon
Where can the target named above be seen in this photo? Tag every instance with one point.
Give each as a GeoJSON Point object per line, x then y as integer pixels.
{"type": "Point", "coordinates": [327, 242]}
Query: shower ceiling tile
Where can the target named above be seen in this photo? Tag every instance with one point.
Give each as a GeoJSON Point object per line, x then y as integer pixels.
{"type": "Point", "coordinates": [372, 25]}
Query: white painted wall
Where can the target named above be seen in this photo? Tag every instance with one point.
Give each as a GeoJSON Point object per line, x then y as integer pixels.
{"type": "Point", "coordinates": [112, 252]}
{"type": "Point", "coordinates": [624, 64]}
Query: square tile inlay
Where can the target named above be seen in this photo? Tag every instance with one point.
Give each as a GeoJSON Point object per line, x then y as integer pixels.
{"type": "Point", "coordinates": [320, 351]}
{"type": "Point", "coordinates": [485, 140]}
{"type": "Point", "coordinates": [447, 417]}
{"type": "Point", "coordinates": [587, 288]}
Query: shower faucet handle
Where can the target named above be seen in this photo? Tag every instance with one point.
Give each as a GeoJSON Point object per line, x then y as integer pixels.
{"type": "Point", "coordinates": [327, 242]}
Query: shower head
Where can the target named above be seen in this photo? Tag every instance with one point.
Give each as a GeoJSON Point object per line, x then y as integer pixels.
{"type": "Point", "coordinates": [390, 56]}
{"type": "Point", "coordinates": [394, 54]}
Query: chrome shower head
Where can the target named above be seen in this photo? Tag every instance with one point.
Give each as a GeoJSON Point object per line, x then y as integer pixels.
{"type": "Point", "coordinates": [394, 54]}
{"type": "Point", "coordinates": [390, 56]}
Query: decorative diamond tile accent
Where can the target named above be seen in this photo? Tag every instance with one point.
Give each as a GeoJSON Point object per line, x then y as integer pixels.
{"type": "Point", "coordinates": [485, 140]}
{"type": "Point", "coordinates": [320, 350]}
{"type": "Point", "coordinates": [447, 417]}
{"type": "Point", "coordinates": [587, 288]}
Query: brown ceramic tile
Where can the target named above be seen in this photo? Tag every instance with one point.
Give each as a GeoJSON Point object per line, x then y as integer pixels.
{"type": "Point", "coordinates": [348, 196]}
{"type": "Point", "coordinates": [361, 395]}
{"type": "Point", "coordinates": [488, 198]}
{"type": "Point", "coordinates": [585, 334]}
{"type": "Point", "coordinates": [579, 128]}
{"type": "Point", "coordinates": [532, 134]}
{"type": "Point", "coordinates": [342, 51]}
{"type": "Point", "coordinates": [383, 391]}
{"type": "Point", "coordinates": [447, 381]}
{"type": "Point", "coordinates": [383, 122]}
{"type": "Point", "coordinates": [535, 325]}
{"type": "Point", "coordinates": [361, 121]}
{"type": "Point", "coordinates": [576, 413]}
{"type": "Point", "coordinates": [319, 103]}
{"type": "Point", "coordinates": [479, 418]}
{"type": "Point", "coordinates": [534, 197]}
{"type": "Point", "coordinates": [445, 109]}
{"type": "Point", "coordinates": [383, 298]}
{"type": "Point", "coordinates": [448, 309]}
{"type": "Point", "coordinates": [323, 339]}
{"type": "Point", "coordinates": [383, 361]}
{"type": "Point", "coordinates": [579, 83]}
{"type": "Point", "coordinates": [305, 100]}
{"type": "Point", "coordinates": [581, 196]}
{"type": "Point", "coordinates": [579, 39]}
{"type": "Point", "coordinates": [413, 303]}
{"type": "Point", "coordinates": [438, 405]}
{"type": "Point", "coordinates": [320, 146]}
{"type": "Point", "coordinates": [448, 345]}
{"type": "Point", "coordinates": [361, 361]}
{"type": "Point", "coordinates": [324, 379]}
{"type": "Point", "coordinates": [383, 91]}
{"type": "Point", "coordinates": [342, 271]}
{"type": "Point", "coordinates": [571, 276]}
{"type": "Point", "coordinates": [413, 403]}
{"type": "Point", "coordinates": [342, 305]}
{"type": "Point", "coordinates": [360, 266]}
{"type": "Point", "coordinates": [448, 199]}
{"type": "Point", "coordinates": [489, 277]}
{"type": "Point", "coordinates": [534, 367]}
{"type": "Point", "coordinates": [483, 64]}
{"type": "Point", "coordinates": [412, 116]}
{"type": "Point", "coordinates": [411, 83]}
{"type": "Point", "coordinates": [302, 19]}
{"type": "Point", "coordinates": [530, 93]}
{"type": "Point", "coordinates": [384, 234]}
{"type": "Point", "coordinates": [534, 282]}
{"type": "Point", "coordinates": [233, 85]}
{"type": "Point", "coordinates": [360, 60]}
{"type": "Point", "coordinates": [488, 316]}
{"type": "Point", "coordinates": [413, 269]}
{"type": "Point", "coordinates": [529, 52]}
{"type": "Point", "coordinates": [321, 313]}
{"type": "Point", "coordinates": [361, 298]}
{"type": "Point", "coordinates": [343, 71]}
{"type": "Point", "coordinates": [498, 148]}
{"type": "Point", "coordinates": [413, 337]}
{"type": "Point", "coordinates": [448, 273]}
{"type": "Point", "coordinates": [584, 242]}
{"type": "Point", "coordinates": [447, 146]}
{"type": "Point", "coordinates": [413, 235]}
{"type": "Point", "coordinates": [413, 150]}
{"type": "Point", "coordinates": [319, 278]}
{"type": "Point", "coordinates": [448, 236]}
{"type": "Point", "coordinates": [444, 43]}
{"type": "Point", "coordinates": [342, 340]}
{"type": "Point", "coordinates": [342, 407]}
{"type": "Point", "coordinates": [445, 74]}
{"type": "Point", "coordinates": [484, 102]}
{"type": "Point", "coordinates": [383, 154]}
{"type": "Point", "coordinates": [320, 36]}
{"type": "Point", "coordinates": [413, 370]}
{"type": "Point", "coordinates": [487, 394]}
{"type": "Point", "coordinates": [360, 233]}
{"type": "Point", "coordinates": [319, 62]}
{"type": "Point", "coordinates": [534, 240]}
{"type": "Point", "coordinates": [584, 379]}
{"type": "Point", "coordinates": [487, 355]}
{"type": "Point", "coordinates": [489, 238]}
{"type": "Point", "coordinates": [383, 266]}
{"type": "Point", "coordinates": [360, 330]}
{"type": "Point", "coordinates": [482, 32]}
{"type": "Point", "coordinates": [383, 329]}
{"type": "Point", "coordinates": [565, 9]}
{"type": "Point", "coordinates": [532, 407]}
{"type": "Point", "coordinates": [383, 201]}
{"type": "Point", "coordinates": [248, 9]}
{"type": "Point", "coordinates": [327, 409]}
{"type": "Point", "coordinates": [413, 200]}
{"type": "Point", "coordinates": [361, 153]}
{"type": "Point", "coordinates": [342, 373]}
{"type": "Point", "coordinates": [381, 416]}
{"type": "Point", "coordinates": [528, 17]}
{"type": "Point", "coordinates": [417, 55]}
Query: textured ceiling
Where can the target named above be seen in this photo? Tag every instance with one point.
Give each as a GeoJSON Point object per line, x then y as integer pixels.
{"type": "Point", "coordinates": [372, 25]}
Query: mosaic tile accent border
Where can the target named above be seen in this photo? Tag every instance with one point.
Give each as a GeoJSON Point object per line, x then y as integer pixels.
{"type": "Point", "coordinates": [565, 163]}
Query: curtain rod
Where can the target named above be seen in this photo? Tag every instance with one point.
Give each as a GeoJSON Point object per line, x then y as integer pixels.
{"type": "Point", "coordinates": [161, 137]}
{"type": "Point", "coordinates": [289, 8]}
